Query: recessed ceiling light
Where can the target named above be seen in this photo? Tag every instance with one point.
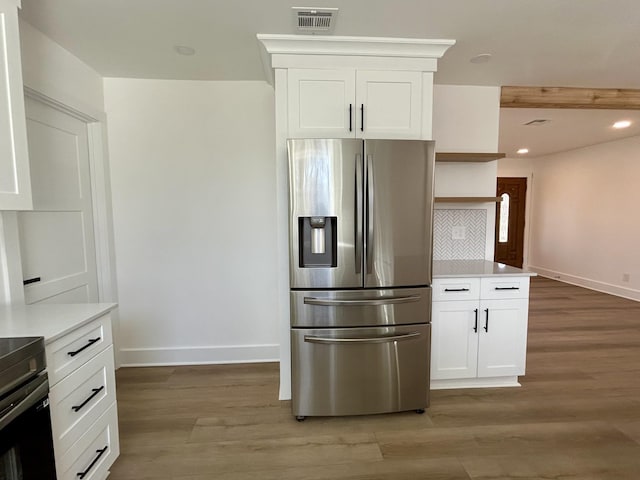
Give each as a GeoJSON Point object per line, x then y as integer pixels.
{"type": "Point", "coordinates": [184, 50]}
{"type": "Point", "coordinates": [622, 124]}
{"type": "Point", "coordinates": [482, 58]}
{"type": "Point", "coordinates": [522, 151]}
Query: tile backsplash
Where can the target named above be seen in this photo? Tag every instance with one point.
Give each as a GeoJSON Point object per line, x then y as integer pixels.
{"type": "Point", "coordinates": [459, 234]}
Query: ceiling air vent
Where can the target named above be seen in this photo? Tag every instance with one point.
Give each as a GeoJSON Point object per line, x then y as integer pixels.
{"type": "Point", "coordinates": [537, 122]}
{"type": "Point", "coordinates": [314, 20]}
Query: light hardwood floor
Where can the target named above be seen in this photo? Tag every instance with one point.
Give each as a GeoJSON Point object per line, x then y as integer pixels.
{"type": "Point", "coordinates": [576, 416]}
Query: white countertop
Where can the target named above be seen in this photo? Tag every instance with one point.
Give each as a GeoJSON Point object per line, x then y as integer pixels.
{"type": "Point", "coordinates": [50, 321]}
{"type": "Point", "coordinates": [475, 268]}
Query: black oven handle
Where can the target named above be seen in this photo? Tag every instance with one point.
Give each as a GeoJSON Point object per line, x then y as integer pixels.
{"type": "Point", "coordinates": [23, 399]}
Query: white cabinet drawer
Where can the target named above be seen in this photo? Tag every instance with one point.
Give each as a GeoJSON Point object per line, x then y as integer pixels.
{"type": "Point", "coordinates": [456, 289]}
{"type": "Point", "coordinates": [79, 399]}
{"type": "Point", "coordinates": [93, 454]}
{"type": "Point", "coordinates": [71, 351]}
{"type": "Point", "coordinates": [504, 287]}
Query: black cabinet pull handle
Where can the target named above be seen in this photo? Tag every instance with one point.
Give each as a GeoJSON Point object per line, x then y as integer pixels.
{"type": "Point", "coordinates": [31, 280]}
{"type": "Point", "coordinates": [486, 323]}
{"type": "Point", "coordinates": [89, 343]}
{"type": "Point", "coordinates": [81, 475]}
{"type": "Point", "coordinates": [507, 288]}
{"type": "Point", "coordinates": [456, 289]}
{"type": "Point", "coordinates": [475, 325]}
{"type": "Point", "coordinates": [95, 391]}
{"type": "Point", "coordinates": [362, 117]}
{"type": "Point", "coordinates": [350, 117]}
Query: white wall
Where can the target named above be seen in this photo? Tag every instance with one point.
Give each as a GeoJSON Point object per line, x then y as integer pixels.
{"type": "Point", "coordinates": [584, 227]}
{"type": "Point", "coordinates": [53, 71]}
{"type": "Point", "coordinates": [466, 119]}
{"type": "Point", "coordinates": [194, 192]}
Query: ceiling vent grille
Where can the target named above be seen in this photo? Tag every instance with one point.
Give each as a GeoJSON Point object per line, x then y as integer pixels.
{"type": "Point", "coordinates": [537, 122]}
{"type": "Point", "coordinates": [314, 20]}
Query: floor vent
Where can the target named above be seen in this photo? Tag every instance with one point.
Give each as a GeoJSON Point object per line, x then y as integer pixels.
{"type": "Point", "coordinates": [314, 20]}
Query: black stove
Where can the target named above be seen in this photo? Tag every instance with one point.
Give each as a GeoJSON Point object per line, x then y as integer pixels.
{"type": "Point", "coordinates": [26, 443]}
{"type": "Point", "coordinates": [21, 359]}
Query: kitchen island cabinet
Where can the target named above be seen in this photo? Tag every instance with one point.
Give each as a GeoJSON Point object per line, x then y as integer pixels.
{"type": "Point", "coordinates": [80, 366]}
{"type": "Point", "coordinates": [479, 324]}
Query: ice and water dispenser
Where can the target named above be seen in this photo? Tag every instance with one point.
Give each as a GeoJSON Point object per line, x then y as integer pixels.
{"type": "Point", "coordinates": [318, 242]}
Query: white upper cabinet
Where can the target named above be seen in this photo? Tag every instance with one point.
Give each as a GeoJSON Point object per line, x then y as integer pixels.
{"type": "Point", "coordinates": [344, 103]}
{"type": "Point", "coordinates": [389, 104]}
{"type": "Point", "coordinates": [320, 103]}
{"type": "Point", "coordinates": [15, 185]}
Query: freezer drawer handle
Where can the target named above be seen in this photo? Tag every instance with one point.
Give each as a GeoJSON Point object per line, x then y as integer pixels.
{"type": "Point", "coordinates": [456, 289]}
{"type": "Point", "coordinates": [361, 302]}
{"type": "Point", "coordinates": [384, 339]}
{"type": "Point", "coordinates": [507, 288]}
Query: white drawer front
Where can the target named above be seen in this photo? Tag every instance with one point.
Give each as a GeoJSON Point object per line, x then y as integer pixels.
{"type": "Point", "coordinates": [456, 289]}
{"type": "Point", "coordinates": [504, 287]}
{"type": "Point", "coordinates": [84, 456]}
{"type": "Point", "coordinates": [79, 399]}
{"type": "Point", "coordinates": [74, 349]}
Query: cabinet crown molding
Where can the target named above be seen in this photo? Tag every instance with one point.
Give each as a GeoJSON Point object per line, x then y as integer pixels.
{"type": "Point", "coordinates": [293, 46]}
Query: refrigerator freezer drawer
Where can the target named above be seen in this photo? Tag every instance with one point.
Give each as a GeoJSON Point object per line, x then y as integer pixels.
{"type": "Point", "coordinates": [360, 308]}
{"type": "Point", "coordinates": [358, 371]}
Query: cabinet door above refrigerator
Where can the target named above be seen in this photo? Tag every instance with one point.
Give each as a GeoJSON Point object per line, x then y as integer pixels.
{"type": "Point", "coordinates": [398, 212]}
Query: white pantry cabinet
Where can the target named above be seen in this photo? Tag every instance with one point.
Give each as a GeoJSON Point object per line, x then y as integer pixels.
{"type": "Point", "coordinates": [15, 184]}
{"type": "Point", "coordinates": [346, 103]}
{"type": "Point", "coordinates": [479, 331]}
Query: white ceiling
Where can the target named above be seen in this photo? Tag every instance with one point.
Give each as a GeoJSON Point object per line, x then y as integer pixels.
{"type": "Point", "coordinates": [567, 129]}
{"type": "Point", "coordinates": [592, 43]}
{"type": "Point", "coordinates": [581, 43]}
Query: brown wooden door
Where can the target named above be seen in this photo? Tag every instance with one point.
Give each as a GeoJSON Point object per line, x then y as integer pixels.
{"type": "Point", "coordinates": [509, 243]}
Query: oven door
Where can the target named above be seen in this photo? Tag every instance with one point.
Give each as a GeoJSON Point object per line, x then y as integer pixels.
{"type": "Point", "coordinates": [26, 444]}
{"type": "Point", "coordinates": [355, 371]}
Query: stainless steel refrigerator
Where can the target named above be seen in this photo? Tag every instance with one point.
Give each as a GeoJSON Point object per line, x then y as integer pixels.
{"type": "Point", "coordinates": [361, 215]}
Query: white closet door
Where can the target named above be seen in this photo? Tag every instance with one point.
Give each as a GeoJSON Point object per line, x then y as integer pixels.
{"type": "Point", "coordinates": [57, 243]}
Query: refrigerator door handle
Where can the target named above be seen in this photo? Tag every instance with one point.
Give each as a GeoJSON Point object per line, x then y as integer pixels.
{"type": "Point", "coordinates": [359, 214]}
{"type": "Point", "coordinates": [370, 197]}
{"type": "Point", "coordinates": [362, 301]}
{"type": "Point", "coordinates": [382, 339]}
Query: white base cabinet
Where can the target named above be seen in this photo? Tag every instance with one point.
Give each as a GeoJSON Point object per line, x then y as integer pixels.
{"type": "Point", "coordinates": [82, 393]}
{"type": "Point", "coordinates": [479, 331]}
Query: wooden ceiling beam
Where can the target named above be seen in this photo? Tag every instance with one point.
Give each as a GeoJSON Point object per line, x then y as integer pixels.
{"type": "Point", "coordinates": [570, 97]}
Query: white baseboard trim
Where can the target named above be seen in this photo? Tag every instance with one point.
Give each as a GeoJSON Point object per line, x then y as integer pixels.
{"type": "Point", "coordinates": [489, 382]}
{"type": "Point", "coordinates": [624, 292]}
{"type": "Point", "coordinates": [164, 356]}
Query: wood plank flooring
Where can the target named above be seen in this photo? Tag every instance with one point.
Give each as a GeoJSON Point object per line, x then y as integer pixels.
{"type": "Point", "coordinates": [576, 416]}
